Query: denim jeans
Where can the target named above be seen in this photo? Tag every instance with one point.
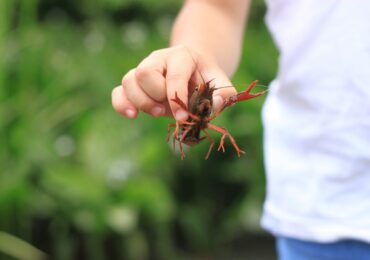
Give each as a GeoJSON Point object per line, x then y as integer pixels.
{"type": "Point", "coordinates": [294, 249]}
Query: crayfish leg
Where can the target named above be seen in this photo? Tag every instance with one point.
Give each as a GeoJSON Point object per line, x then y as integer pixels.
{"type": "Point", "coordinates": [186, 127]}
{"type": "Point", "coordinates": [225, 134]}
{"type": "Point", "coordinates": [169, 131]}
{"type": "Point", "coordinates": [175, 135]}
{"type": "Point", "coordinates": [178, 101]}
{"type": "Point", "coordinates": [181, 141]}
{"type": "Point", "coordinates": [182, 151]}
{"type": "Point", "coordinates": [210, 138]}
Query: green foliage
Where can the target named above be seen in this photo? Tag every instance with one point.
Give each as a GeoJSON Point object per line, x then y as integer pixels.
{"type": "Point", "coordinates": [79, 181]}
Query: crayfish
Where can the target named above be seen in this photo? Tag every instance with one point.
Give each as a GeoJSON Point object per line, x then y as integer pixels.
{"type": "Point", "coordinates": [200, 114]}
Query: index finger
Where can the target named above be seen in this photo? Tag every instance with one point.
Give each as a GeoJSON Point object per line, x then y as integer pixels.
{"type": "Point", "coordinates": [180, 68]}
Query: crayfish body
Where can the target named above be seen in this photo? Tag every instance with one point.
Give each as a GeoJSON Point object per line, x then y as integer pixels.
{"type": "Point", "coordinates": [200, 114]}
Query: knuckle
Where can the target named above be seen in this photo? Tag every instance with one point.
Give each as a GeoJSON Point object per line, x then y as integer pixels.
{"type": "Point", "coordinates": [117, 107]}
{"type": "Point", "coordinates": [145, 105]}
{"type": "Point", "coordinates": [142, 72]}
{"type": "Point", "coordinates": [185, 51]}
{"type": "Point", "coordinates": [114, 92]}
{"type": "Point", "coordinates": [131, 96]}
{"type": "Point", "coordinates": [139, 102]}
{"type": "Point", "coordinates": [125, 85]}
{"type": "Point", "coordinates": [116, 102]}
{"type": "Point", "coordinates": [160, 96]}
{"type": "Point", "coordinates": [175, 77]}
{"type": "Point", "coordinates": [156, 53]}
{"type": "Point", "coordinates": [127, 77]}
{"type": "Point", "coordinates": [181, 48]}
{"type": "Point", "coordinates": [124, 80]}
{"type": "Point", "coordinates": [155, 92]}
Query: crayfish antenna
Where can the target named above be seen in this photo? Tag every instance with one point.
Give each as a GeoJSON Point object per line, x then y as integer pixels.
{"type": "Point", "coordinates": [209, 81]}
{"type": "Point", "coordinates": [216, 88]}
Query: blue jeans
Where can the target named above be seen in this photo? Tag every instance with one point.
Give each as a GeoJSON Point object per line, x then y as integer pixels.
{"type": "Point", "coordinates": [293, 249]}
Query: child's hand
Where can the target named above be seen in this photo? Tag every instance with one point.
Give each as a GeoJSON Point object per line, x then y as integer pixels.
{"type": "Point", "coordinates": [152, 84]}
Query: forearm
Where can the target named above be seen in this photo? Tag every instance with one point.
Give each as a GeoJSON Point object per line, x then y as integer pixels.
{"type": "Point", "coordinates": [213, 28]}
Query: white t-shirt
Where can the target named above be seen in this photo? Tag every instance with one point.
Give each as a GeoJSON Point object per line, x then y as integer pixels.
{"type": "Point", "coordinates": [317, 121]}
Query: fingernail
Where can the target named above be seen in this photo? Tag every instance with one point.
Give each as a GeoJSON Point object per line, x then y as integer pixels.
{"type": "Point", "coordinates": [217, 102]}
{"type": "Point", "coordinates": [181, 115]}
{"type": "Point", "coordinates": [157, 111]}
{"type": "Point", "coordinates": [130, 113]}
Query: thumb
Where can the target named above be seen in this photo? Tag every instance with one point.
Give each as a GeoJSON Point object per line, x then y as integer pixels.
{"type": "Point", "coordinates": [224, 89]}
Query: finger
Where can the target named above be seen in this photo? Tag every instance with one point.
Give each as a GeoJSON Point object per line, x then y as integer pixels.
{"type": "Point", "coordinates": [121, 104]}
{"type": "Point", "coordinates": [139, 98]}
{"type": "Point", "coordinates": [149, 75]}
{"type": "Point", "coordinates": [225, 90]}
{"type": "Point", "coordinates": [220, 95]}
{"type": "Point", "coordinates": [180, 68]}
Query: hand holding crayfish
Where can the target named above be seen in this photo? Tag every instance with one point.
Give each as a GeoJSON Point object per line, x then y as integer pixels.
{"type": "Point", "coordinates": [166, 83]}
{"type": "Point", "coordinates": [153, 83]}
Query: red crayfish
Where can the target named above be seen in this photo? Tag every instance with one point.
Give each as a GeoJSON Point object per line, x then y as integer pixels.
{"type": "Point", "coordinates": [200, 114]}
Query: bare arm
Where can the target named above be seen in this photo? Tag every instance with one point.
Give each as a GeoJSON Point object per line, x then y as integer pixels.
{"type": "Point", "coordinates": [213, 28]}
{"type": "Point", "coordinates": [206, 39]}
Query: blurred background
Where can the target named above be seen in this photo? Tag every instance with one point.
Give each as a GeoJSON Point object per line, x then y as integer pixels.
{"type": "Point", "coordinates": [77, 181]}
